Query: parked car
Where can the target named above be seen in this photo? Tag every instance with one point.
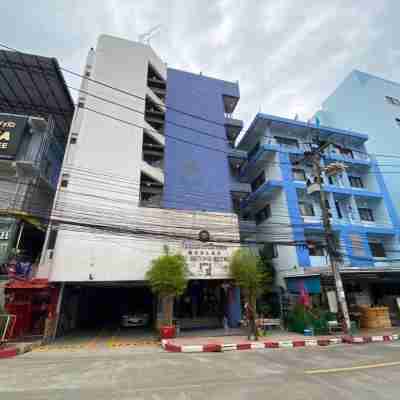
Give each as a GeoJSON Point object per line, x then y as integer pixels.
{"type": "Point", "coordinates": [134, 319]}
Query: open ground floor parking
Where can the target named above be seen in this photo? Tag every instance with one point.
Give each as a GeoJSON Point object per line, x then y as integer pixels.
{"type": "Point", "coordinates": [128, 309]}
{"type": "Point", "coordinates": [336, 372]}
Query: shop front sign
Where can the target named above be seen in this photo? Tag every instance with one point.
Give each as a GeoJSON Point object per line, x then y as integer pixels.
{"type": "Point", "coordinates": [207, 261]}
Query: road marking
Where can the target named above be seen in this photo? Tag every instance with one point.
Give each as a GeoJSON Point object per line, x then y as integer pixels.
{"type": "Point", "coordinates": [345, 369]}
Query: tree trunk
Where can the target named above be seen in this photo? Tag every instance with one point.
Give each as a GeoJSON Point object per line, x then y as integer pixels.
{"type": "Point", "coordinates": [253, 304]}
{"type": "Point", "coordinates": [251, 316]}
{"type": "Point", "coordinates": [168, 306]}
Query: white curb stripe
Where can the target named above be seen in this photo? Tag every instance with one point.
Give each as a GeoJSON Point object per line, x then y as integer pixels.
{"type": "Point", "coordinates": [311, 342]}
{"type": "Point", "coordinates": [358, 340]}
{"type": "Point", "coordinates": [335, 340]}
{"type": "Point", "coordinates": [192, 349]}
{"type": "Point", "coordinates": [395, 337]}
{"type": "Point", "coordinates": [228, 347]}
{"type": "Point", "coordinates": [377, 338]}
{"type": "Point", "coordinates": [286, 344]}
{"type": "Point", "coordinates": [257, 346]}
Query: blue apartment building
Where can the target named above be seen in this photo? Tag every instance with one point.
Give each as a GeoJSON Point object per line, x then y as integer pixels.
{"type": "Point", "coordinates": [280, 211]}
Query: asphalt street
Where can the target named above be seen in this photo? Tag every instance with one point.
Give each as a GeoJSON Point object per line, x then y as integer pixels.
{"type": "Point", "coordinates": [335, 372]}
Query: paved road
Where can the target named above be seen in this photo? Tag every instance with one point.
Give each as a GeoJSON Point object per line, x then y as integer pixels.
{"type": "Point", "coordinates": [339, 372]}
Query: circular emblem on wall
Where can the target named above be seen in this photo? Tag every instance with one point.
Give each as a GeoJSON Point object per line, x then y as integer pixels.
{"type": "Point", "coordinates": [204, 236]}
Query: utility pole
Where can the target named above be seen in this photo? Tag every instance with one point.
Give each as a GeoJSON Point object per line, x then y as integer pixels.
{"type": "Point", "coordinates": [331, 242]}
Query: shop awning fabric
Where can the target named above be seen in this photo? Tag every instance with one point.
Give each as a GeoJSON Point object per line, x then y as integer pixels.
{"type": "Point", "coordinates": [311, 284]}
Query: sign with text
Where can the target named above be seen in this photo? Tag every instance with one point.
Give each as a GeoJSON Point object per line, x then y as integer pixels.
{"type": "Point", "coordinates": [12, 129]}
{"type": "Point", "coordinates": [207, 261]}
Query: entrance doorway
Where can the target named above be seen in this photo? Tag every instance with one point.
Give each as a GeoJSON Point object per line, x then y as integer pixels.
{"type": "Point", "coordinates": [203, 305]}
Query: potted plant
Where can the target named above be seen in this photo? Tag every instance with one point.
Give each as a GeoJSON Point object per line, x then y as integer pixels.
{"type": "Point", "coordinates": [168, 279]}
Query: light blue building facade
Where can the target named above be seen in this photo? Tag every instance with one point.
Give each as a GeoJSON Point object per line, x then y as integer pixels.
{"type": "Point", "coordinates": [367, 103]}
{"type": "Point", "coordinates": [363, 215]}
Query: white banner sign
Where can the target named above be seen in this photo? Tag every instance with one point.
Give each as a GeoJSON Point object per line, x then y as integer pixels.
{"type": "Point", "coordinates": [207, 261]}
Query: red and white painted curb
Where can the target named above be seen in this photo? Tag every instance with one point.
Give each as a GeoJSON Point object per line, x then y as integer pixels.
{"type": "Point", "coordinates": [8, 352]}
{"type": "Point", "coordinates": [215, 348]}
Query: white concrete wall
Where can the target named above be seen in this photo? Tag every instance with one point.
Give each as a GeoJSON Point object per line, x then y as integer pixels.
{"type": "Point", "coordinates": [278, 227]}
{"type": "Point", "coordinates": [103, 170]}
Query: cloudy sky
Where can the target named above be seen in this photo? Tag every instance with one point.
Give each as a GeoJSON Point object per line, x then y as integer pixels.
{"type": "Point", "coordinates": [288, 55]}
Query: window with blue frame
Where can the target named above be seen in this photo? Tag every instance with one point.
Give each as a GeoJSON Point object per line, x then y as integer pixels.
{"type": "Point", "coordinates": [366, 214]}
{"type": "Point", "coordinates": [356, 181]}
{"type": "Point", "coordinates": [377, 249]}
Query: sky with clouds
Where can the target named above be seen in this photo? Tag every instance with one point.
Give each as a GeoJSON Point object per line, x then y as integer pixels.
{"type": "Point", "coordinates": [288, 55]}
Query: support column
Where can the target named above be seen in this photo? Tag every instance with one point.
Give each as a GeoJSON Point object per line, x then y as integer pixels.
{"type": "Point", "coordinates": [234, 307]}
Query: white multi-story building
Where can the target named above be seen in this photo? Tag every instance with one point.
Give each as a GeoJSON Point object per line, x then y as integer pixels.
{"type": "Point", "coordinates": [149, 163]}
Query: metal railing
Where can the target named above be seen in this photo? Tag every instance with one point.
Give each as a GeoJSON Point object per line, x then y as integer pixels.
{"type": "Point", "coordinates": [7, 324]}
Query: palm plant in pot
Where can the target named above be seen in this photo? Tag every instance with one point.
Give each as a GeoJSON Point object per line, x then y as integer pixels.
{"type": "Point", "coordinates": [168, 279]}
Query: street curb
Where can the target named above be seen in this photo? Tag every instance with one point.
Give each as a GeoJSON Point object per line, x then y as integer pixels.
{"type": "Point", "coordinates": [18, 349]}
{"type": "Point", "coordinates": [8, 352]}
{"type": "Point", "coordinates": [218, 348]}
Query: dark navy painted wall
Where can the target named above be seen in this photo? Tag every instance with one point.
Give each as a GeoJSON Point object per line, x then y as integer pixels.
{"type": "Point", "coordinates": [196, 166]}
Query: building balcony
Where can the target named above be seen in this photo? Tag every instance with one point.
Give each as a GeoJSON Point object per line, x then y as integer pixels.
{"type": "Point", "coordinates": [240, 189]}
{"type": "Point", "coordinates": [233, 128]}
{"type": "Point", "coordinates": [237, 157]}
{"type": "Point", "coordinates": [154, 170]}
{"type": "Point", "coordinates": [150, 201]}
{"type": "Point", "coordinates": [347, 156]}
{"type": "Point", "coordinates": [262, 193]}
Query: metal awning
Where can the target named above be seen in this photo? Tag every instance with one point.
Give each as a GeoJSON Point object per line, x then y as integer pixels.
{"type": "Point", "coordinates": [34, 85]}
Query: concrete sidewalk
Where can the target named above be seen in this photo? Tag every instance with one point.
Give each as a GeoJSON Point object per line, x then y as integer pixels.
{"type": "Point", "coordinates": [274, 339]}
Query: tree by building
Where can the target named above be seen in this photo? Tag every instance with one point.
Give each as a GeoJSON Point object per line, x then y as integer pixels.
{"type": "Point", "coordinates": [246, 269]}
{"type": "Point", "coordinates": [168, 279]}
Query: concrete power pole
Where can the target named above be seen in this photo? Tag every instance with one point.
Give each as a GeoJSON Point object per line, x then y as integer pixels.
{"type": "Point", "coordinates": [331, 242]}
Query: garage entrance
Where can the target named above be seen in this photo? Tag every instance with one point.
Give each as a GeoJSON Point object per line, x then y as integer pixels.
{"type": "Point", "coordinates": [98, 312]}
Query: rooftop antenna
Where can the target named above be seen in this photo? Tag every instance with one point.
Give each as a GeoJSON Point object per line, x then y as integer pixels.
{"type": "Point", "coordinates": [145, 37]}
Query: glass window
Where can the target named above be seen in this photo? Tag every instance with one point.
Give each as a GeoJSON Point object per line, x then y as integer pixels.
{"type": "Point", "coordinates": [356, 181]}
{"type": "Point", "coordinates": [263, 214]}
{"type": "Point", "coordinates": [306, 209]}
{"type": "Point", "coordinates": [299, 174]}
{"type": "Point", "coordinates": [338, 210]}
{"type": "Point", "coordinates": [366, 214]}
{"type": "Point", "coordinates": [377, 249]}
{"type": "Point", "coordinates": [258, 181]}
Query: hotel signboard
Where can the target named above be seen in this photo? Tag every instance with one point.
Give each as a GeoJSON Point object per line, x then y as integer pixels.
{"type": "Point", "coordinates": [12, 129]}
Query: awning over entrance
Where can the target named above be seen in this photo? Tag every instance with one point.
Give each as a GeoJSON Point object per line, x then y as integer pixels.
{"type": "Point", "coordinates": [311, 284]}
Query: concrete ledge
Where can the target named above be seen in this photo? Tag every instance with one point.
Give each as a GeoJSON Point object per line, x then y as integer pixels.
{"type": "Point", "coordinates": [286, 344]}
